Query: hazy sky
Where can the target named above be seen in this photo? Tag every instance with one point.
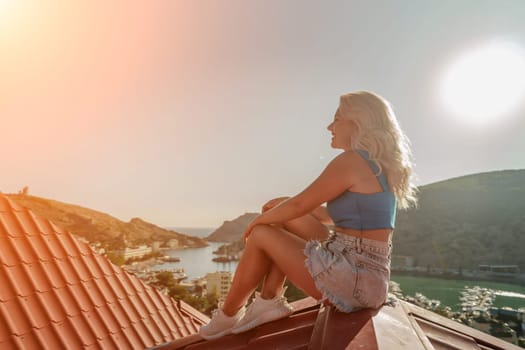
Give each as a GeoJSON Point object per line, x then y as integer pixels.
{"type": "Point", "coordinates": [189, 113]}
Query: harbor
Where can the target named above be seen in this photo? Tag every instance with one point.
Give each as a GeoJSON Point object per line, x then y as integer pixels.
{"type": "Point", "coordinates": [477, 308]}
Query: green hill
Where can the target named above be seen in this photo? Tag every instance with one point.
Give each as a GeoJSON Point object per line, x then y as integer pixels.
{"type": "Point", "coordinates": [466, 221]}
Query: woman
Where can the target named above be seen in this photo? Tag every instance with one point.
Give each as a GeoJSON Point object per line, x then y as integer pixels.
{"type": "Point", "coordinates": [348, 267]}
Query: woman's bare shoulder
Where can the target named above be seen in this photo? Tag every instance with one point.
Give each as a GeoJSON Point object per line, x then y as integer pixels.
{"type": "Point", "coordinates": [347, 158]}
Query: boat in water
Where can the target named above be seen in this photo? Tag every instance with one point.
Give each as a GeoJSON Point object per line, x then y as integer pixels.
{"type": "Point", "coordinates": [168, 258]}
{"type": "Point", "coordinates": [224, 259]}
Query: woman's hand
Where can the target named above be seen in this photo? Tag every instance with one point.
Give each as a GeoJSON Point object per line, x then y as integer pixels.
{"type": "Point", "coordinates": [248, 231]}
{"type": "Point", "coordinates": [273, 203]}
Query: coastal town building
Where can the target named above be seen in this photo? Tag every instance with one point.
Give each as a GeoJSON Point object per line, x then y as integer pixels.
{"type": "Point", "coordinates": [219, 283]}
{"type": "Point", "coordinates": [499, 270]}
{"type": "Point", "coordinates": [155, 246]}
{"type": "Point", "coordinates": [173, 243]}
{"type": "Point", "coordinates": [137, 252]}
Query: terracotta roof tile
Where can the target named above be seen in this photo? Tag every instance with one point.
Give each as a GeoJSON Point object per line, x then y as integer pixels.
{"type": "Point", "coordinates": [8, 255]}
{"type": "Point", "coordinates": [109, 319]}
{"type": "Point", "coordinates": [39, 247]}
{"type": "Point", "coordinates": [94, 268]}
{"type": "Point", "coordinates": [47, 338]}
{"type": "Point", "coordinates": [138, 306]}
{"type": "Point", "coordinates": [156, 298]}
{"type": "Point", "coordinates": [133, 337]}
{"type": "Point", "coordinates": [172, 326]}
{"type": "Point", "coordinates": [186, 309]}
{"type": "Point", "coordinates": [23, 249]}
{"type": "Point", "coordinates": [87, 331]}
{"type": "Point", "coordinates": [81, 297]}
{"type": "Point", "coordinates": [142, 331]}
{"type": "Point", "coordinates": [15, 317]}
{"type": "Point", "coordinates": [152, 329]}
{"type": "Point", "coordinates": [93, 291]}
{"type": "Point", "coordinates": [6, 292]}
{"type": "Point", "coordinates": [53, 274]}
{"type": "Point", "coordinates": [55, 248]}
{"type": "Point", "coordinates": [44, 226]}
{"type": "Point", "coordinates": [66, 334]}
{"type": "Point", "coordinates": [38, 277]}
{"type": "Point", "coordinates": [57, 293]}
{"type": "Point", "coordinates": [9, 344]}
{"type": "Point", "coordinates": [128, 309]}
{"type": "Point", "coordinates": [60, 304]}
{"type": "Point", "coordinates": [120, 314]}
{"type": "Point", "coordinates": [159, 322]}
{"type": "Point", "coordinates": [11, 226]}
{"type": "Point", "coordinates": [19, 280]}
{"type": "Point", "coordinates": [116, 287]}
{"type": "Point", "coordinates": [26, 222]}
{"type": "Point", "coordinates": [36, 314]}
{"type": "Point", "coordinates": [104, 264]}
{"type": "Point", "coordinates": [28, 341]}
{"type": "Point", "coordinates": [4, 331]}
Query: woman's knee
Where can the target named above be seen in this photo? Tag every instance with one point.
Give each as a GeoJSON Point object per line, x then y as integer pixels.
{"type": "Point", "coordinates": [261, 234]}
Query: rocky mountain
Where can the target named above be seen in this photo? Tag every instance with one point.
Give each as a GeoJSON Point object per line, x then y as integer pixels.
{"type": "Point", "coordinates": [96, 226]}
{"type": "Point", "coordinates": [233, 230]}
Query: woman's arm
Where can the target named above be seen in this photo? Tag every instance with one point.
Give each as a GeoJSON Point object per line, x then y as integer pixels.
{"type": "Point", "coordinates": [321, 214]}
{"type": "Point", "coordinates": [335, 179]}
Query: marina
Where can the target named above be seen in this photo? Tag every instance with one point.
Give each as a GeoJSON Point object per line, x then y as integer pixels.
{"type": "Point", "coordinates": [476, 309]}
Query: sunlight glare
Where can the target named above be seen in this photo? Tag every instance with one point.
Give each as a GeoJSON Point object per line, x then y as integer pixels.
{"type": "Point", "coordinates": [485, 83]}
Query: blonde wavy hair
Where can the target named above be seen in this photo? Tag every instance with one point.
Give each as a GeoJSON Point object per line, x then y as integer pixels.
{"type": "Point", "coordinates": [377, 131]}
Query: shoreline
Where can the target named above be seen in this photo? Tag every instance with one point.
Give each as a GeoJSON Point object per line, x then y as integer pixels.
{"type": "Point", "coordinates": [518, 281]}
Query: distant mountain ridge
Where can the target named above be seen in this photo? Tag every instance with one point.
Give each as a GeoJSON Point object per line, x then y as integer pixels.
{"type": "Point", "coordinates": [466, 221]}
{"type": "Point", "coordinates": [233, 230]}
{"type": "Point", "coordinates": [96, 226]}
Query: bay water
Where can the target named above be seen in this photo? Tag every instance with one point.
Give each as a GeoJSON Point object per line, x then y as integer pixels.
{"type": "Point", "coordinates": [449, 291]}
{"type": "Point", "coordinates": [196, 262]}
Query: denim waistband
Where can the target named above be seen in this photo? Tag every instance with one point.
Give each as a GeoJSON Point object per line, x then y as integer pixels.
{"type": "Point", "coordinates": [340, 242]}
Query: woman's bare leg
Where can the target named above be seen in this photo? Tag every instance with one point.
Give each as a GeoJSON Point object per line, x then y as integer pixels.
{"type": "Point", "coordinates": [268, 246]}
{"type": "Point", "coordinates": [307, 227]}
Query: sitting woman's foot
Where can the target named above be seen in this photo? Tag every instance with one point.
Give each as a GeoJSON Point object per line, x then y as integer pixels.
{"type": "Point", "coordinates": [261, 311]}
{"type": "Point", "coordinates": [220, 324]}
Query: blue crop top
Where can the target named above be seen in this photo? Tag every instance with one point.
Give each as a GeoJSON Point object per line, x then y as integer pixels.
{"type": "Point", "coordinates": [363, 211]}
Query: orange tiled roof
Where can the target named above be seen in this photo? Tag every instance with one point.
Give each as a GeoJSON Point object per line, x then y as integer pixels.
{"type": "Point", "coordinates": [57, 293]}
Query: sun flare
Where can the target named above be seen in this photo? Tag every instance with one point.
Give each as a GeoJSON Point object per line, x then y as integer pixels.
{"type": "Point", "coordinates": [485, 84]}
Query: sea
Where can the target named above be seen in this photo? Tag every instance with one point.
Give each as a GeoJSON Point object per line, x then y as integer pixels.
{"type": "Point", "coordinates": [449, 291]}
{"type": "Point", "coordinates": [196, 262]}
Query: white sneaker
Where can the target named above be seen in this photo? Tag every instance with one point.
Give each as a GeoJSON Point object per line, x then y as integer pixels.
{"type": "Point", "coordinates": [262, 311]}
{"type": "Point", "coordinates": [220, 324]}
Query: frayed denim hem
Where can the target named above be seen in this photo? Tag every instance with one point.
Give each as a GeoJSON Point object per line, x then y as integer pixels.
{"type": "Point", "coordinates": [327, 295]}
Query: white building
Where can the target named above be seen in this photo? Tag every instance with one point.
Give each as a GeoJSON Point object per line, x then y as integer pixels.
{"type": "Point", "coordinates": [219, 283]}
{"type": "Point", "coordinates": [173, 243]}
{"type": "Point", "coordinates": [136, 252]}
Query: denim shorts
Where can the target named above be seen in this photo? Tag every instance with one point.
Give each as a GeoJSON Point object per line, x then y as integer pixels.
{"type": "Point", "coordinates": [351, 273]}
